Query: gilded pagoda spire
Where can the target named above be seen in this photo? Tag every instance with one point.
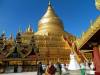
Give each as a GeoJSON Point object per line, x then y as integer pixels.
{"type": "Point", "coordinates": [3, 35]}
{"type": "Point", "coordinates": [11, 37]}
{"type": "Point", "coordinates": [29, 29]}
{"type": "Point", "coordinates": [19, 30]}
{"type": "Point", "coordinates": [91, 24]}
{"type": "Point", "coordinates": [50, 21]}
{"type": "Point", "coordinates": [49, 2]}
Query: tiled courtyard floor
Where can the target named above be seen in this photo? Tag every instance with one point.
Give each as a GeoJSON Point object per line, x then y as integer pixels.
{"type": "Point", "coordinates": [24, 73]}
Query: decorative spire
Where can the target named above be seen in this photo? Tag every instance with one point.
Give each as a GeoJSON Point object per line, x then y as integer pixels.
{"type": "Point", "coordinates": [83, 34]}
{"type": "Point", "coordinates": [49, 4]}
{"type": "Point", "coordinates": [11, 36]}
{"type": "Point", "coordinates": [11, 39]}
{"type": "Point", "coordinates": [3, 34]}
{"type": "Point", "coordinates": [29, 29]}
{"type": "Point", "coordinates": [50, 21]}
{"type": "Point", "coordinates": [50, 11]}
{"type": "Point", "coordinates": [97, 4]}
{"type": "Point", "coordinates": [19, 30]}
{"type": "Point", "coordinates": [91, 23]}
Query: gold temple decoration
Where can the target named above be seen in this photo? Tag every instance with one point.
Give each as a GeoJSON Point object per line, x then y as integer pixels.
{"type": "Point", "coordinates": [50, 38]}
{"type": "Point", "coordinates": [11, 39]}
{"type": "Point", "coordinates": [97, 4]}
{"type": "Point", "coordinates": [11, 36]}
{"type": "Point", "coordinates": [29, 29]}
{"type": "Point", "coordinates": [50, 22]}
{"type": "Point", "coordinates": [19, 30]}
{"type": "Point", "coordinates": [94, 27]}
{"type": "Point", "coordinates": [51, 41]}
{"type": "Point", "coordinates": [26, 36]}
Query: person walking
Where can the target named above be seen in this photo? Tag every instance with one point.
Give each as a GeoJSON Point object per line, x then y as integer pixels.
{"type": "Point", "coordinates": [65, 69]}
{"type": "Point", "coordinates": [50, 70]}
{"type": "Point", "coordinates": [82, 69]}
{"type": "Point", "coordinates": [59, 68]}
{"type": "Point", "coordinates": [40, 69]}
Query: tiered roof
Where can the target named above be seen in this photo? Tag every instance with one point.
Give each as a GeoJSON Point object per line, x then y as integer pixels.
{"type": "Point", "coordinates": [95, 27]}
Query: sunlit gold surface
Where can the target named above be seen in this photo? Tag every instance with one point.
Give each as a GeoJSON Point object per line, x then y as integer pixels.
{"type": "Point", "coordinates": [50, 22]}
{"type": "Point", "coordinates": [49, 40]}
{"type": "Point", "coordinates": [95, 26]}
{"type": "Point", "coordinates": [97, 3]}
{"type": "Point", "coordinates": [26, 36]}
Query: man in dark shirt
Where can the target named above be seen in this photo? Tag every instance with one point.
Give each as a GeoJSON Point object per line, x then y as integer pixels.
{"type": "Point", "coordinates": [40, 69]}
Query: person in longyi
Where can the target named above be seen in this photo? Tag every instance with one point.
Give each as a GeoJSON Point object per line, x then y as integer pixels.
{"type": "Point", "coordinates": [50, 70]}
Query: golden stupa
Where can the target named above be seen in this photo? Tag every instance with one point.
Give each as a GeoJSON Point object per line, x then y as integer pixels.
{"type": "Point", "coordinates": [49, 43]}
{"type": "Point", "coordinates": [50, 38]}
{"type": "Point", "coordinates": [50, 22]}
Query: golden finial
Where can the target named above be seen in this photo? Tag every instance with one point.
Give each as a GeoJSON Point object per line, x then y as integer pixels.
{"type": "Point", "coordinates": [11, 36]}
{"type": "Point", "coordinates": [49, 3]}
{"type": "Point", "coordinates": [83, 33]}
{"type": "Point", "coordinates": [3, 33]}
{"type": "Point", "coordinates": [29, 29]}
{"type": "Point", "coordinates": [91, 23]}
{"type": "Point", "coordinates": [11, 39]}
{"type": "Point", "coordinates": [50, 21]}
{"type": "Point", "coordinates": [97, 4]}
{"type": "Point", "coordinates": [19, 30]}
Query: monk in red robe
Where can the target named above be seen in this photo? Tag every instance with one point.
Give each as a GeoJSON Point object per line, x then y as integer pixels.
{"type": "Point", "coordinates": [50, 70]}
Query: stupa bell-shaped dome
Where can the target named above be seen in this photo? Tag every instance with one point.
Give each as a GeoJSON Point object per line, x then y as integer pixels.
{"type": "Point", "coordinates": [50, 21]}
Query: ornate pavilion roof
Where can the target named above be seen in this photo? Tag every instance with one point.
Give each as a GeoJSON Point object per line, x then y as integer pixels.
{"type": "Point", "coordinates": [95, 27]}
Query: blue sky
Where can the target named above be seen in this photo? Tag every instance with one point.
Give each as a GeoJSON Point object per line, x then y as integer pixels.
{"type": "Point", "coordinates": [75, 14]}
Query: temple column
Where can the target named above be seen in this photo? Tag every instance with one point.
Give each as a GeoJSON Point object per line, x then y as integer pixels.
{"type": "Point", "coordinates": [96, 59]}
